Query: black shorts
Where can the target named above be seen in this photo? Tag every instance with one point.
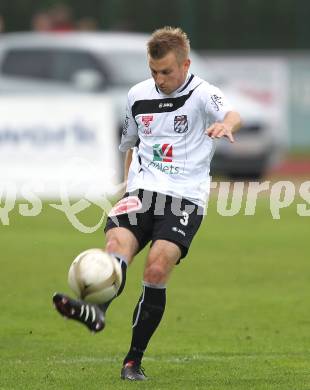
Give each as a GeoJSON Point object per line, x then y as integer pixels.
{"type": "Point", "coordinates": [152, 216]}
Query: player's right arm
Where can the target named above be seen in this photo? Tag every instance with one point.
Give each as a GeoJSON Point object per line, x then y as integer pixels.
{"type": "Point", "coordinates": [129, 136]}
{"type": "Point", "coordinates": [128, 160]}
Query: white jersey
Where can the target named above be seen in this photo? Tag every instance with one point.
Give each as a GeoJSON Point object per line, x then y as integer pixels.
{"type": "Point", "coordinates": [172, 153]}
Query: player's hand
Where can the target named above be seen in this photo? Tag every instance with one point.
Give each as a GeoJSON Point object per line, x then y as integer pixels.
{"type": "Point", "coordinates": [219, 130]}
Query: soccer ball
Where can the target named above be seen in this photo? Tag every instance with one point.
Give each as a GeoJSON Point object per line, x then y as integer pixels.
{"type": "Point", "coordinates": [95, 276]}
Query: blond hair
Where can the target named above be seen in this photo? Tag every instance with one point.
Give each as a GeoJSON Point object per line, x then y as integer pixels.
{"type": "Point", "coordinates": [167, 39]}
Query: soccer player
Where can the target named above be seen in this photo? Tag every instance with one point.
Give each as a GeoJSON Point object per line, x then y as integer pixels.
{"type": "Point", "coordinates": [171, 122]}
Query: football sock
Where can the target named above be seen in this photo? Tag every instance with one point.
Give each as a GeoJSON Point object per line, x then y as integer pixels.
{"type": "Point", "coordinates": [123, 263]}
{"type": "Point", "coordinates": [146, 318]}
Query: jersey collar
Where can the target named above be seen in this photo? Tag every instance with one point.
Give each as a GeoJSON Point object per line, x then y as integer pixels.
{"type": "Point", "coordinates": [186, 83]}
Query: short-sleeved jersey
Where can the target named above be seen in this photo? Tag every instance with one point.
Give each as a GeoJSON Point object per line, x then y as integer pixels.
{"type": "Point", "coordinates": [172, 153]}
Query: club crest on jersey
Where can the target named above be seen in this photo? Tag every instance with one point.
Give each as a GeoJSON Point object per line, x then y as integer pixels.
{"type": "Point", "coordinates": [180, 124]}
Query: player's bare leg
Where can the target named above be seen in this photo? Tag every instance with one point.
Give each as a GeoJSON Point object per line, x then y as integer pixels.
{"type": "Point", "coordinates": [123, 245]}
{"type": "Point", "coordinates": [121, 241]}
{"type": "Point", "coordinates": [161, 260]}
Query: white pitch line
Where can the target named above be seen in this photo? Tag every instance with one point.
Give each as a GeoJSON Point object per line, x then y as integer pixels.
{"type": "Point", "coordinates": [173, 359]}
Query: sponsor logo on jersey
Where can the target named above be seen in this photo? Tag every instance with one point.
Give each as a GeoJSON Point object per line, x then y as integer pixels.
{"type": "Point", "coordinates": [162, 152]}
{"type": "Point", "coordinates": [168, 169]}
{"type": "Point", "coordinates": [125, 206]}
{"type": "Point", "coordinates": [217, 101]}
{"type": "Point", "coordinates": [177, 230]}
{"type": "Point", "coordinates": [164, 105]}
{"type": "Point", "coordinates": [180, 124]}
{"type": "Point", "coordinates": [125, 125]}
{"type": "Point", "coordinates": [146, 120]}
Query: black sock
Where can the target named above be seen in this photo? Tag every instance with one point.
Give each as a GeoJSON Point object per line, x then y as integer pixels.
{"type": "Point", "coordinates": [104, 306]}
{"type": "Point", "coordinates": [146, 318]}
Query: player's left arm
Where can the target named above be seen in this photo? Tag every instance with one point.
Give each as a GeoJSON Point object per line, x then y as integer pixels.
{"type": "Point", "coordinates": [230, 124]}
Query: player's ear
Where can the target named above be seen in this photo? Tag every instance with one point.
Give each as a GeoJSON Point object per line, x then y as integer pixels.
{"type": "Point", "coordinates": [187, 64]}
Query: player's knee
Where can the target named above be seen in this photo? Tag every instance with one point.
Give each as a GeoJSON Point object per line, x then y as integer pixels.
{"type": "Point", "coordinates": [113, 245]}
{"type": "Point", "coordinates": [155, 274]}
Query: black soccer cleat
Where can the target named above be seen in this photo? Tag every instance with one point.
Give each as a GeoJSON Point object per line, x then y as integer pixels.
{"type": "Point", "coordinates": [133, 371]}
{"type": "Point", "coordinates": [81, 311]}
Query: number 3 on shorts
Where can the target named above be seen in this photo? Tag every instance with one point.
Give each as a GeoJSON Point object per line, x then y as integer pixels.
{"type": "Point", "coordinates": [184, 220]}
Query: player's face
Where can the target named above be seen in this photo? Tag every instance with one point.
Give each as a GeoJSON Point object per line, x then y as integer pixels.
{"type": "Point", "coordinates": [168, 73]}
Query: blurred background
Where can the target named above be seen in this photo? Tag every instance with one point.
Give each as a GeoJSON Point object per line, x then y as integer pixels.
{"type": "Point", "coordinates": [66, 67]}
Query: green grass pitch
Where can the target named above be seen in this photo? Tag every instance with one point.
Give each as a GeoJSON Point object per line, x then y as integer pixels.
{"type": "Point", "coordinates": [238, 310]}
